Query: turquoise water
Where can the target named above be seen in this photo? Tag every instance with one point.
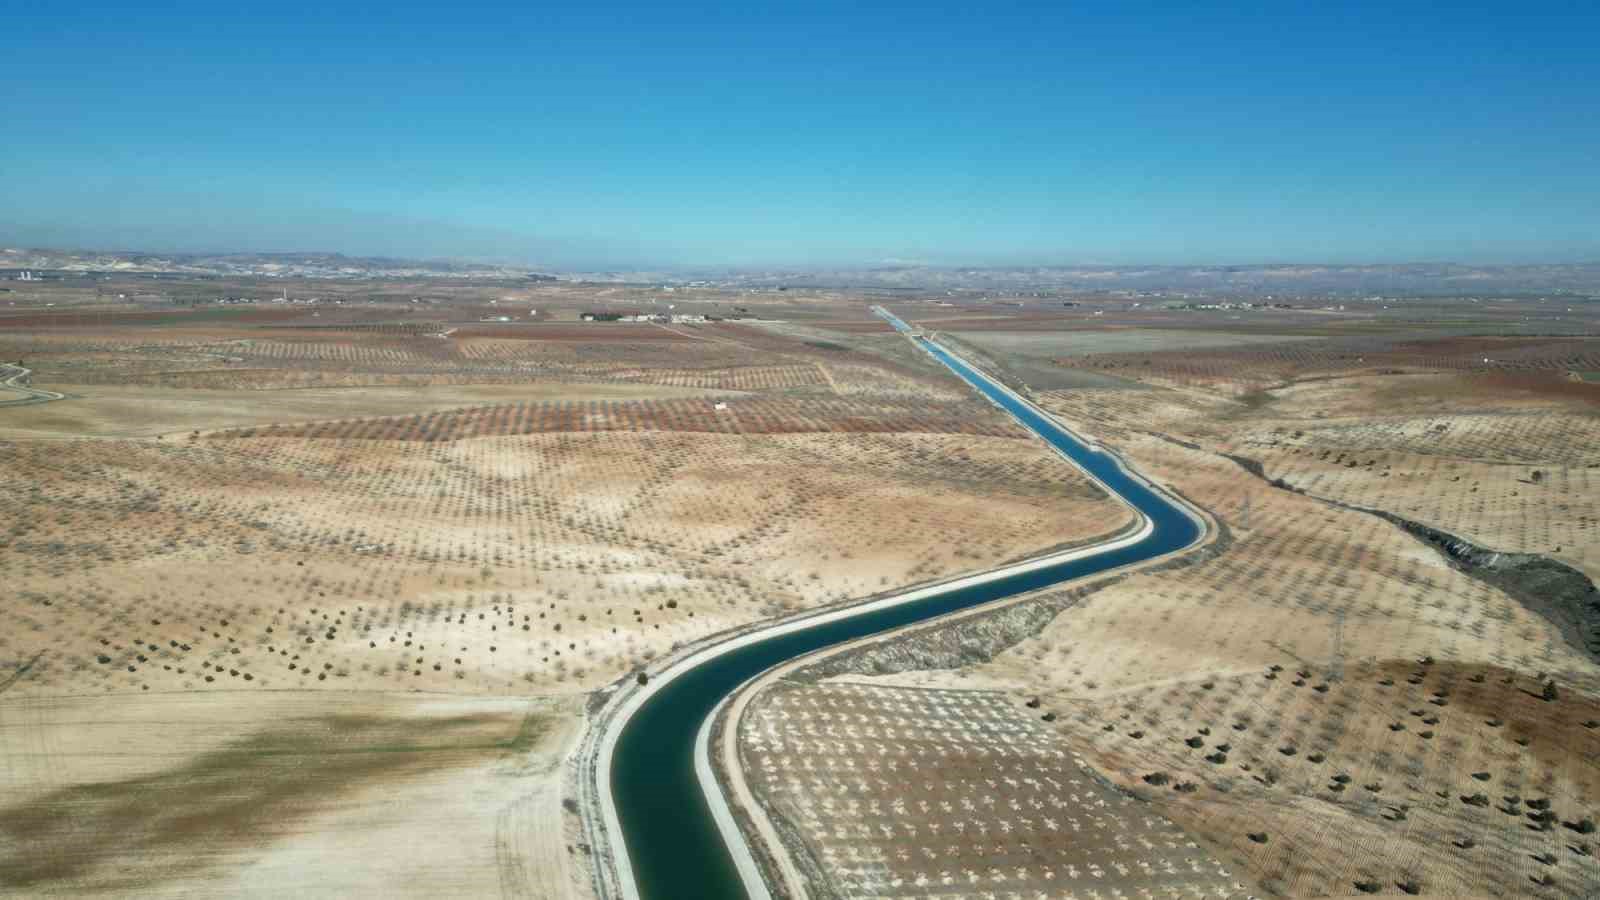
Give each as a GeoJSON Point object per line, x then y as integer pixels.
{"type": "Point", "coordinates": [673, 842]}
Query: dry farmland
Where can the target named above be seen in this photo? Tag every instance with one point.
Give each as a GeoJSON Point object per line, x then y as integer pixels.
{"type": "Point", "coordinates": [283, 596]}
{"type": "Point", "coordinates": [316, 598]}
{"type": "Point", "coordinates": [898, 792]}
{"type": "Point", "coordinates": [1325, 702]}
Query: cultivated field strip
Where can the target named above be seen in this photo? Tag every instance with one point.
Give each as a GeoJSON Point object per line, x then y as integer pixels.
{"type": "Point", "coordinates": [1281, 680]}
{"type": "Point", "coordinates": [1509, 466]}
{"type": "Point", "coordinates": [1527, 437]}
{"type": "Point", "coordinates": [1532, 508]}
{"type": "Point", "coordinates": [606, 547]}
{"type": "Point", "coordinates": [956, 794]}
{"type": "Point", "coordinates": [1273, 363]}
{"type": "Point", "coordinates": [1457, 778]}
{"type": "Point", "coordinates": [336, 359]}
{"type": "Point", "coordinates": [753, 415]}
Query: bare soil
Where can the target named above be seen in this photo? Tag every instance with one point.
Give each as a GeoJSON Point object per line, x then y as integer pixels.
{"type": "Point", "coordinates": [896, 792]}
{"type": "Point", "coordinates": [241, 794]}
{"type": "Point", "coordinates": [316, 609]}
{"type": "Point", "coordinates": [1327, 702]}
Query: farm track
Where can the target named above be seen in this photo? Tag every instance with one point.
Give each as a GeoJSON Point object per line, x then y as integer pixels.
{"type": "Point", "coordinates": [649, 747]}
{"type": "Point", "coordinates": [14, 382]}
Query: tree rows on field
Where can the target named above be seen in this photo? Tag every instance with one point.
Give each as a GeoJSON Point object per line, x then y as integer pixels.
{"type": "Point", "coordinates": [1119, 414]}
{"type": "Point", "coordinates": [68, 321]}
{"type": "Point", "coordinates": [1544, 509]}
{"type": "Point", "coordinates": [616, 545]}
{"type": "Point", "coordinates": [428, 328]}
{"type": "Point", "coordinates": [1468, 778]}
{"type": "Point", "coordinates": [290, 356]}
{"type": "Point", "coordinates": [1326, 683]}
{"type": "Point", "coordinates": [1010, 813]}
{"type": "Point", "coordinates": [1551, 435]}
{"type": "Point", "coordinates": [1273, 363]}
{"type": "Point", "coordinates": [754, 415]}
{"type": "Point", "coordinates": [115, 360]}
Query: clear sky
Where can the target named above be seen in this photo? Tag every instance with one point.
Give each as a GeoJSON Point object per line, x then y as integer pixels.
{"type": "Point", "coordinates": [749, 134]}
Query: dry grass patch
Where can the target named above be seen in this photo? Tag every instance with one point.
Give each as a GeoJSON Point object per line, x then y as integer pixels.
{"type": "Point", "coordinates": [159, 795]}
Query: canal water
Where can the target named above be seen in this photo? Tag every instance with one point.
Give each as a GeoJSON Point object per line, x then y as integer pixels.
{"type": "Point", "coordinates": [673, 843]}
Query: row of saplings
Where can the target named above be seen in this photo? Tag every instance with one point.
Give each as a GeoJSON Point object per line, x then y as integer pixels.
{"type": "Point", "coordinates": [1542, 817]}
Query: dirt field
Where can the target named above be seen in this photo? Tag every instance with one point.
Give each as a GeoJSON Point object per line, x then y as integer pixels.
{"type": "Point", "coordinates": [1035, 369]}
{"type": "Point", "coordinates": [1243, 370]}
{"type": "Point", "coordinates": [230, 794]}
{"type": "Point", "coordinates": [1332, 704]}
{"type": "Point", "coordinates": [593, 551]}
{"type": "Point", "coordinates": [1505, 461]}
{"type": "Point", "coordinates": [899, 792]}
{"type": "Point", "coordinates": [1058, 344]}
{"type": "Point", "coordinates": [311, 600]}
{"type": "Point", "coordinates": [119, 411]}
{"type": "Point", "coordinates": [263, 633]}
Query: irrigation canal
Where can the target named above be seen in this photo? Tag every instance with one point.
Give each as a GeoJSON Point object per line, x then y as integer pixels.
{"type": "Point", "coordinates": [673, 847]}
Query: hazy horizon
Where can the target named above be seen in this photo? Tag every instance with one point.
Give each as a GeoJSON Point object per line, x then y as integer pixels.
{"type": "Point", "coordinates": [9, 244]}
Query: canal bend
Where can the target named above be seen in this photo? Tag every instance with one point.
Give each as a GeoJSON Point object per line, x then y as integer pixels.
{"type": "Point", "coordinates": [672, 845]}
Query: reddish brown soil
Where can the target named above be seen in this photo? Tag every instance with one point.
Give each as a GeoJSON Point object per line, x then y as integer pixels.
{"type": "Point", "coordinates": [596, 332]}
{"type": "Point", "coordinates": [88, 319]}
{"type": "Point", "coordinates": [1543, 385]}
{"type": "Point", "coordinates": [762, 415]}
{"type": "Point", "coordinates": [1522, 356]}
{"type": "Point", "coordinates": [855, 327]}
{"type": "Point", "coordinates": [955, 321]}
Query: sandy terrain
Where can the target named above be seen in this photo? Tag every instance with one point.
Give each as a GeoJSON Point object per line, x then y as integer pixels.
{"type": "Point", "coordinates": [1057, 344]}
{"type": "Point", "coordinates": [1456, 452]}
{"type": "Point", "coordinates": [330, 794]}
{"type": "Point", "coordinates": [573, 556]}
{"type": "Point", "coordinates": [896, 792]}
{"type": "Point", "coordinates": [349, 654]}
{"type": "Point", "coordinates": [1343, 709]}
{"type": "Point", "coordinates": [121, 411]}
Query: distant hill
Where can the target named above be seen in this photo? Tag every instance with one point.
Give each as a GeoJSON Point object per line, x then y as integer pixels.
{"type": "Point", "coordinates": [1416, 279]}
{"type": "Point", "coordinates": [300, 265]}
{"type": "Point", "coordinates": [1440, 279]}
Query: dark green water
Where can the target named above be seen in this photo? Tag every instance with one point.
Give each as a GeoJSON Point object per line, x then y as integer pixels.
{"type": "Point", "coordinates": [673, 842]}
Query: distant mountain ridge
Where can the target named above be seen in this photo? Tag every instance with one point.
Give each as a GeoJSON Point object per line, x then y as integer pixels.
{"type": "Point", "coordinates": [1454, 279]}
{"type": "Point", "coordinates": [1460, 279]}
{"type": "Point", "coordinates": [301, 265]}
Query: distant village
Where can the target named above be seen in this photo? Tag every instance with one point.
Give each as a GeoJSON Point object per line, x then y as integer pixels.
{"type": "Point", "coordinates": [674, 318]}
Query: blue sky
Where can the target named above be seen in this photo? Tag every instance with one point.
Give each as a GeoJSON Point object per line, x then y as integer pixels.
{"type": "Point", "coordinates": [621, 135]}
